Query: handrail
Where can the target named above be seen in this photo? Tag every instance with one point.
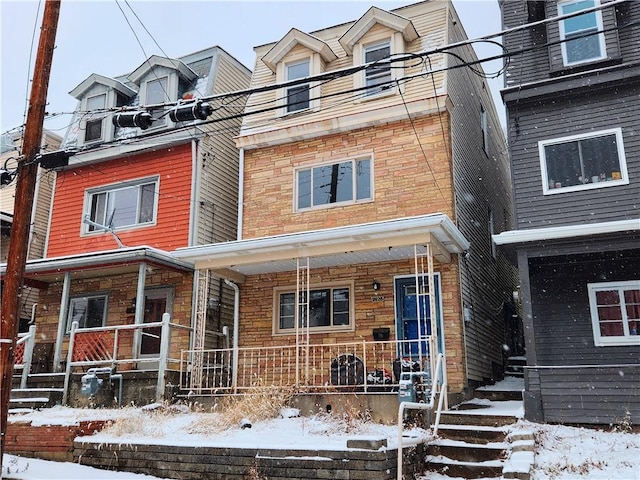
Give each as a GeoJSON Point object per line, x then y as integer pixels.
{"type": "Point", "coordinates": [29, 340]}
{"type": "Point", "coordinates": [440, 364]}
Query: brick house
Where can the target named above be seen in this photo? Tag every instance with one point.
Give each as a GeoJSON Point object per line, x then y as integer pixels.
{"type": "Point", "coordinates": [373, 173]}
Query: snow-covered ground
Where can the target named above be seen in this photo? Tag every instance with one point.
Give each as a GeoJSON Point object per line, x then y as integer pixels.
{"type": "Point", "coordinates": [563, 453]}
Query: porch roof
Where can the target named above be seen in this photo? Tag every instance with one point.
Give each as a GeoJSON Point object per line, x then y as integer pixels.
{"type": "Point", "coordinates": [108, 262]}
{"type": "Point", "coordinates": [381, 241]}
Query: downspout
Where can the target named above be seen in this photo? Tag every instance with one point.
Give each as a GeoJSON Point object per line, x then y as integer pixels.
{"type": "Point", "coordinates": [236, 328]}
{"type": "Point", "coordinates": [195, 194]}
{"type": "Point", "coordinates": [240, 192]}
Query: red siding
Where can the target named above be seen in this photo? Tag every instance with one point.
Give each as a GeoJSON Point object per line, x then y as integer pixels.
{"type": "Point", "coordinates": [173, 165]}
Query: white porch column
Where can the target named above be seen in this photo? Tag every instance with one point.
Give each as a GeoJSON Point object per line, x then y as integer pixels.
{"type": "Point", "coordinates": [62, 320]}
{"type": "Point", "coordinates": [139, 315]}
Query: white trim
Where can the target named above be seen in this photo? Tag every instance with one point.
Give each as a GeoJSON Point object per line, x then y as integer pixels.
{"type": "Point", "coordinates": [87, 297]}
{"type": "Point", "coordinates": [627, 338]}
{"type": "Point", "coordinates": [600, 36]}
{"type": "Point", "coordinates": [566, 231]}
{"type": "Point", "coordinates": [545, 176]}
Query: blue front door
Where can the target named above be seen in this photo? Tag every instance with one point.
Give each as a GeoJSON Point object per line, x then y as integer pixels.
{"type": "Point", "coordinates": [413, 315]}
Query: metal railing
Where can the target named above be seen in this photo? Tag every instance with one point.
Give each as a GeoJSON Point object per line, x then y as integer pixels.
{"type": "Point", "coordinates": [24, 353]}
{"type": "Point", "coordinates": [354, 366]}
{"type": "Point", "coordinates": [115, 345]}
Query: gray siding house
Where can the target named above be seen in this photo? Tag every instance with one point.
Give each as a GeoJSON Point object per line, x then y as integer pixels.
{"type": "Point", "coordinates": [572, 98]}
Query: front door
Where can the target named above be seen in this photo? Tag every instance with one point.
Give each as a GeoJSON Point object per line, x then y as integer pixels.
{"type": "Point", "coordinates": [413, 315]}
{"type": "Point", "coordinates": [156, 303]}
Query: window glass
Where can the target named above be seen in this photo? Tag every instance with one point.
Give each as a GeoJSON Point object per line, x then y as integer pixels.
{"type": "Point", "coordinates": [579, 48]}
{"type": "Point", "coordinates": [122, 207]}
{"type": "Point", "coordinates": [377, 77]}
{"type": "Point", "coordinates": [328, 307]}
{"type": "Point", "coordinates": [156, 94]}
{"type": "Point", "coordinates": [297, 95]}
{"type": "Point", "coordinates": [580, 162]}
{"type": "Point", "coordinates": [93, 125]}
{"type": "Point", "coordinates": [615, 312]}
{"type": "Point", "coordinates": [89, 312]}
{"type": "Point", "coordinates": [334, 183]}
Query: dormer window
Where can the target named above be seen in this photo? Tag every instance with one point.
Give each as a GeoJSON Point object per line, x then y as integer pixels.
{"type": "Point", "coordinates": [95, 118]}
{"type": "Point", "coordinates": [297, 95]}
{"type": "Point", "coordinates": [377, 77]}
{"type": "Point", "coordinates": [156, 93]}
{"type": "Point", "coordinates": [581, 42]}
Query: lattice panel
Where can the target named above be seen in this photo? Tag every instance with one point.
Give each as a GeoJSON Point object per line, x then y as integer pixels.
{"type": "Point", "coordinates": [93, 346]}
{"type": "Point", "coordinates": [19, 354]}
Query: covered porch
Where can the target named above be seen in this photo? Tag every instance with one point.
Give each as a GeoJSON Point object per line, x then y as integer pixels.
{"type": "Point", "coordinates": [344, 309]}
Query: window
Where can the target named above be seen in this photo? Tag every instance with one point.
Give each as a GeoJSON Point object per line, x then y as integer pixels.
{"type": "Point", "coordinates": [123, 206]}
{"type": "Point", "coordinates": [615, 312]}
{"type": "Point", "coordinates": [377, 77]}
{"type": "Point", "coordinates": [581, 42]}
{"type": "Point", "coordinates": [297, 95]}
{"type": "Point", "coordinates": [87, 311]}
{"type": "Point", "coordinates": [93, 125]}
{"type": "Point", "coordinates": [484, 128]}
{"type": "Point", "coordinates": [583, 161]}
{"type": "Point", "coordinates": [343, 182]}
{"type": "Point", "coordinates": [157, 94]}
{"type": "Point", "coordinates": [329, 308]}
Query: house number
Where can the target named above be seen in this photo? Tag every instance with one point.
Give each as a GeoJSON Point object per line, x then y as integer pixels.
{"type": "Point", "coordinates": [378, 298]}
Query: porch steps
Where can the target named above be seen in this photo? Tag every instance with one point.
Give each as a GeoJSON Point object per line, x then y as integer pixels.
{"type": "Point", "coordinates": [480, 438]}
{"type": "Point", "coordinates": [43, 391]}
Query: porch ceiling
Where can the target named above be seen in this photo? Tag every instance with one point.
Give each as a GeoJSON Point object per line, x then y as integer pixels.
{"type": "Point", "coordinates": [40, 272]}
{"type": "Point", "coordinates": [356, 244]}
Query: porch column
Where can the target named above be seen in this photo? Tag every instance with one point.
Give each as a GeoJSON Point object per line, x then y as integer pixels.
{"type": "Point", "coordinates": [139, 315]}
{"type": "Point", "coordinates": [62, 320]}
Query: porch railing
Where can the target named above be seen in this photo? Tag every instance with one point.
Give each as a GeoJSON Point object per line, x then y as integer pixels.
{"type": "Point", "coordinates": [24, 353]}
{"type": "Point", "coordinates": [355, 366]}
{"type": "Point", "coordinates": [115, 346]}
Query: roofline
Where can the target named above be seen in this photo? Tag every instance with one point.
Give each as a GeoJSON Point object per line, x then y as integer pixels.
{"type": "Point", "coordinates": [566, 231]}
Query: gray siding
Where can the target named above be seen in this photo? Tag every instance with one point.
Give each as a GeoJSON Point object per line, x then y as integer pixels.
{"type": "Point", "coordinates": [555, 117]}
{"type": "Point", "coordinates": [532, 61]}
{"type": "Point", "coordinates": [481, 183]}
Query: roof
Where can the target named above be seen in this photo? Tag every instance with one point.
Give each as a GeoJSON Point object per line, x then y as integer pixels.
{"type": "Point", "coordinates": [381, 241]}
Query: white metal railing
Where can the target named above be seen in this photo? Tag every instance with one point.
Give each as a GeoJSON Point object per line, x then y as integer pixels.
{"type": "Point", "coordinates": [362, 366]}
{"type": "Point", "coordinates": [24, 353]}
{"type": "Point", "coordinates": [114, 345]}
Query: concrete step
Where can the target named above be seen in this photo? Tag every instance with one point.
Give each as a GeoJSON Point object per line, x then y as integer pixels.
{"type": "Point", "coordinates": [468, 452]}
{"type": "Point", "coordinates": [473, 433]}
{"type": "Point", "coordinates": [36, 398]}
{"type": "Point", "coordinates": [471, 417]}
{"type": "Point", "coordinates": [467, 470]}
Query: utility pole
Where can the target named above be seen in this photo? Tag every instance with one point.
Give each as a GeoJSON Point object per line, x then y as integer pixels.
{"type": "Point", "coordinates": [25, 188]}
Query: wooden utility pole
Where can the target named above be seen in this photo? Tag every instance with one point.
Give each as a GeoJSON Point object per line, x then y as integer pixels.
{"type": "Point", "coordinates": [25, 188]}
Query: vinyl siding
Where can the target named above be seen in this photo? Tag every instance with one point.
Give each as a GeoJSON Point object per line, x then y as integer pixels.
{"type": "Point", "coordinates": [173, 165]}
{"type": "Point", "coordinates": [482, 184]}
{"type": "Point", "coordinates": [563, 116]}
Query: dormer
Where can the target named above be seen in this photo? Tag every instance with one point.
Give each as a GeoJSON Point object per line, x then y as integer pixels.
{"type": "Point", "coordinates": [378, 35]}
{"type": "Point", "coordinates": [296, 56]}
{"type": "Point", "coordinates": [161, 80]}
{"type": "Point", "coordinates": [98, 94]}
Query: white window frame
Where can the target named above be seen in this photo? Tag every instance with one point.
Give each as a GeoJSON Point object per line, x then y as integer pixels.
{"type": "Point", "coordinates": [86, 298]}
{"type": "Point", "coordinates": [556, 187]}
{"type": "Point", "coordinates": [484, 127]}
{"type": "Point", "coordinates": [599, 37]}
{"type": "Point", "coordinates": [354, 200]}
{"type": "Point", "coordinates": [97, 117]}
{"type": "Point", "coordinates": [88, 229]}
{"type": "Point", "coordinates": [169, 92]}
{"type": "Point", "coordinates": [376, 91]}
{"type": "Point", "coordinates": [287, 65]}
{"type": "Point", "coordinates": [628, 338]}
{"type": "Point", "coordinates": [278, 291]}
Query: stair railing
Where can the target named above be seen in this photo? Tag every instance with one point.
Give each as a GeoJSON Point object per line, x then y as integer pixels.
{"type": "Point", "coordinates": [439, 378]}
{"type": "Point", "coordinates": [24, 353]}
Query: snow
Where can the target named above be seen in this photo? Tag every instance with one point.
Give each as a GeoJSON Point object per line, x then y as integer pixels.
{"type": "Point", "coordinates": [561, 452]}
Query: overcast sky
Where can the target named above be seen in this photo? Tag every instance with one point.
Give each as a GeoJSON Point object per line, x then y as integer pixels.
{"type": "Point", "coordinates": [94, 37]}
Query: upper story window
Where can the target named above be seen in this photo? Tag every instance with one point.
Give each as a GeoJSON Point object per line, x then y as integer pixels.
{"type": "Point", "coordinates": [582, 162]}
{"type": "Point", "coordinates": [615, 312]}
{"type": "Point", "coordinates": [95, 117]}
{"type": "Point", "coordinates": [122, 206]}
{"type": "Point", "coordinates": [377, 78]}
{"type": "Point", "coordinates": [297, 95]}
{"type": "Point", "coordinates": [344, 182]}
{"type": "Point", "coordinates": [484, 127]}
{"type": "Point", "coordinates": [89, 312]}
{"type": "Point", "coordinates": [156, 93]}
{"type": "Point", "coordinates": [330, 308]}
{"type": "Point", "coordinates": [581, 42]}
